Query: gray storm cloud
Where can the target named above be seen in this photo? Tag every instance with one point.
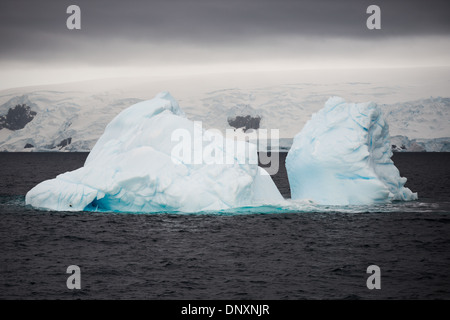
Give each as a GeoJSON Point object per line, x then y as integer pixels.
{"type": "Point", "coordinates": [134, 33]}
{"type": "Point", "coordinates": [30, 28]}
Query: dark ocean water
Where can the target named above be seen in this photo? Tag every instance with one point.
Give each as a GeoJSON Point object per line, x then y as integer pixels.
{"type": "Point", "coordinates": [304, 255]}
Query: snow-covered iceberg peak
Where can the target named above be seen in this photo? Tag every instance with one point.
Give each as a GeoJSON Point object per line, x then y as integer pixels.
{"type": "Point", "coordinates": [343, 156]}
{"type": "Point", "coordinates": [132, 169]}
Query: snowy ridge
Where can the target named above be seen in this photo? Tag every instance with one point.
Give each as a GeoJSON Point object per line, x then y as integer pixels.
{"type": "Point", "coordinates": [403, 144]}
{"type": "Point", "coordinates": [420, 119]}
{"type": "Point", "coordinates": [82, 115]}
{"type": "Point", "coordinates": [60, 116]}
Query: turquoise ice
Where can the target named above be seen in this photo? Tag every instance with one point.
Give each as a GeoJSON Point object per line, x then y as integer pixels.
{"type": "Point", "coordinates": [131, 169]}
{"type": "Point", "coordinates": [342, 156]}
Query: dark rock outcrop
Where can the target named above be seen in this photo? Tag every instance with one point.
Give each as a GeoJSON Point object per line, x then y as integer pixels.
{"type": "Point", "coordinates": [64, 143]}
{"type": "Point", "coordinates": [245, 122]}
{"type": "Point", "coordinates": [17, 118]}
{"type": "Point", "coordinates": [396, 148]}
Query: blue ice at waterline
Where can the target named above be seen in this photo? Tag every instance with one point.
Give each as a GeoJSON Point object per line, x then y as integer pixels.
{"type": "Point", "coordinates": [132, 169]}
{"type": "Point", "coordinates": [341, 157]}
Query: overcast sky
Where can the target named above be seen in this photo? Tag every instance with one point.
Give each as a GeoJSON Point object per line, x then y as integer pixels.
{"type": "Point", "coordinates": [122, 38]}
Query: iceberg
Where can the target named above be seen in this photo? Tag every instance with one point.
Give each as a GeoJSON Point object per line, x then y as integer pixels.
{"type": "Point", "coordinates": [132, 168]}
{"type": "Point", "coordinates": [342, 156]}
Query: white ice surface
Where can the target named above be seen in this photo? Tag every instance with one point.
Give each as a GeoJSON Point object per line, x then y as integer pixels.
{"type": "Point", "coordinates": [342, 156]}
{"type": "Point", "coordinates": [131, 169]}
{"type": "Point", "coordinates": [409, 98]}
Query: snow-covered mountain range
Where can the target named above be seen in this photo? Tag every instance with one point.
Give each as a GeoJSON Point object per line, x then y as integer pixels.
{"type": "Point", "coordinates": [72, 117]}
